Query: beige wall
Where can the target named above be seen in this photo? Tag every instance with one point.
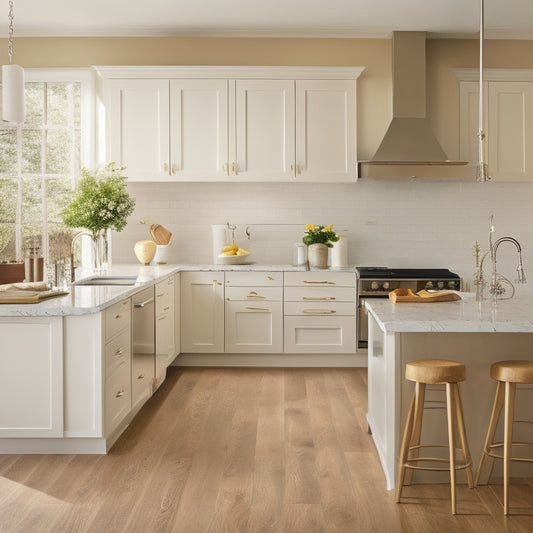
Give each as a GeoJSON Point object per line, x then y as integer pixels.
{"type": "Point", "coordinates": [374, 86]}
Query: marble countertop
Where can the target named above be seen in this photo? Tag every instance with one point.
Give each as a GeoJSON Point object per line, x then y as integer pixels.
{"type": "Point", "coordinates": [461, 316]}
{"type": "Point", "coordinates": [83, 300]}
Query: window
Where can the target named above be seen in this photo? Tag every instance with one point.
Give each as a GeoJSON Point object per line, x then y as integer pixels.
{"type": "Point", "coordinates": [40, 162]}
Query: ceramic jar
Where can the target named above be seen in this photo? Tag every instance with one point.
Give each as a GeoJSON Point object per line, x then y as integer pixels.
{"type": "Point", "coordinates": [145, 251]}
{"type": "Point", "coordinates": [317, 255]}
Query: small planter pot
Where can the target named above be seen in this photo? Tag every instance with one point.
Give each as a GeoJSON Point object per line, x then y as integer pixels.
{"type": "Point", "coordinates": [317, 255]}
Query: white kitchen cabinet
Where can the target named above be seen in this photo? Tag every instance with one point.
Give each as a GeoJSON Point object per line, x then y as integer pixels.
{"type": "Point", "coordinates": [319, 312]}
{"type": "Point", "coordinates": [31, 379]}
{"type": "Point", "coordinates": [231, 123]}
{"type": "Point", "coordinates": [254, 312]}
{"type": "Point", "coordinates": [326, 148]}
{"type": "Point", "coordinates": [164, 328]}
{"type": "Point", "coordinates": [117, 355]}
{"type": "Point", "coordinates": [508, 127]}
{"type": "Point", "coordinates": [202, 312]}
{"type": "Point", "coordinates": [137, 128]}
{"type": "Point", "coordinates": [261, 134]}
{"type": "Point", "coordinates": [177, 314]}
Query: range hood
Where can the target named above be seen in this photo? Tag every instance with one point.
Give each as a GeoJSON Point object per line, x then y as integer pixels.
{"type": "Point", "coordinates": [409, 139]}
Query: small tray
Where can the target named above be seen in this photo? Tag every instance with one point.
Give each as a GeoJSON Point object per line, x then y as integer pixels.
{"type": "Point", "coordinates": [16, 296]}
{"type": "Point", "coordinates": [408, 296]}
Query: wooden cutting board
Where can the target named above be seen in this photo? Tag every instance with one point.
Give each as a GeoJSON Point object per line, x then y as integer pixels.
{"type": "Point", "coordinates": [408, 296]}
{"type": "Point", "coordinates": [16, 296]}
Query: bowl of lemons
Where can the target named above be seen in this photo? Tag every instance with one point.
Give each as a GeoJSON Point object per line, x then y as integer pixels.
{"type": "Point", "coordinates": [233, 255]}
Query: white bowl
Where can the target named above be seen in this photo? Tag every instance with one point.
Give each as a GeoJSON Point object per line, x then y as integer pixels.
{"type": "Point", "coordinates": [233, 259]}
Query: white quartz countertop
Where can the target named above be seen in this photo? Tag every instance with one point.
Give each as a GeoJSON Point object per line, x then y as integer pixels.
{"type": "Point", "coordinates": [461, 316]}
{"type": "Point", "coordinates": [83, 300]}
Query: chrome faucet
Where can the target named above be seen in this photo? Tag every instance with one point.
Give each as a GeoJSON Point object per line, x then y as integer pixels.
{"type": "Point", "coordinates": [73, 265]}
{"type": "Point", "coordinates": [498, 282]}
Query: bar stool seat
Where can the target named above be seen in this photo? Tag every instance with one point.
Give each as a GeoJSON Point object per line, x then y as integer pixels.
{"type": "Point", "coordinates": [431, 372]}
{"type": "Point", "coordinates": [508, 374]}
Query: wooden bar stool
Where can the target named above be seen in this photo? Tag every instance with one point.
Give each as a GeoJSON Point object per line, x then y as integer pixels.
{"type": "Point", "coordinates": [434, 371]}
{"type": "Point", "coordinates": [508, 374]}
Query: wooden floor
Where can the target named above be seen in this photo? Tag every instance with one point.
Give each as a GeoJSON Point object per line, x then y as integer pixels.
{"type": "Point", "coordinates": [243, 450]}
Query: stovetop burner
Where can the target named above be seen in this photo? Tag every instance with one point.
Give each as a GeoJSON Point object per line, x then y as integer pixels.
{"type": "Point", "coordinates": [405, 273]}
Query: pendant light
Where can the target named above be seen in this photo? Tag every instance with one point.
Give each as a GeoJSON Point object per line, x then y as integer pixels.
{"type": "Point", "coordinates": [13, 108]}
{"type": "Point", "coordinates": [482, 171]}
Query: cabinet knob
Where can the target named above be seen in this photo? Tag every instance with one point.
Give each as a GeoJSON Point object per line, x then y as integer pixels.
{"type": "Point", "coordinates": [175, 168]}
{"type": "Point", "coordinates": [165, 167]}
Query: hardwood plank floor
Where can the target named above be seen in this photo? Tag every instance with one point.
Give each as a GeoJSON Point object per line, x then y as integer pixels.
{"type": "Point", "coordinates": [243, 450]}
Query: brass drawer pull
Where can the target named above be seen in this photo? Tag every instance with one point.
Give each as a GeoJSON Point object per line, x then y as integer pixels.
{"type": "Point", "coordinates": [257, 309]}
{"type": "Point", "coordinates": [317, 298]}
{"type": "Point", "coordinates": [119, 393]}
{"type": "Point", "coordinates": [319, 311]}
{"type": "Point", "coordinates": [325, 282]}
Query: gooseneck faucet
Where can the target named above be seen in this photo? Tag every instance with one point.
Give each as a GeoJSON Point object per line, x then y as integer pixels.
{"type": "Point", "coordinates": [497, 282]}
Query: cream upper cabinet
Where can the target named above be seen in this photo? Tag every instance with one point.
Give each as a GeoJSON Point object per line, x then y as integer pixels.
{"type": "Point", "coordinates": [508, 125]}
{"type": "Point", "coordinates": [326, 130]}
{"type": "Point", "coordinates": [198, 129]}
{"type": "Point", "coordinates": [231, 123]}
{"type": "Point", "coordinates": [262, 133]}
{"type": "Point", "coordinates": [137, 129]}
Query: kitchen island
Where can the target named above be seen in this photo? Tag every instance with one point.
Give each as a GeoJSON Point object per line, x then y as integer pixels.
{"type": "Point", "coordinates": [464, 330]}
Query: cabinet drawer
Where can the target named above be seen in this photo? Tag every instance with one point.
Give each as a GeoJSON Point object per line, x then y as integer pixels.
{"type": "Point", "coordinates": [250, 279]}
{"type": "Point", "coordinates": [319, 334]}
{"type": "Point", "coordinates": [164, 296]}
{"type": "Point", "coordinates": [320, 293]}
{"type": "Point", "coordinates": [254, 294]}
{"type": "Point", "coordinates": [117, 396]}
{"type": "Point", "coordinates": [313, 279]}
{"type": "Point", "coordinates": [142, 374]}
{"type": "Point", "coordinates": [117, 317]}
{"type": "Point", "coordinates": [117, 351]}
{"type": "Point", "coordinates": [320, 308]}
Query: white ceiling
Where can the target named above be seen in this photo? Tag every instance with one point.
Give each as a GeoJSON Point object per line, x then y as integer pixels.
{"type": "Point", "coordinates": [267, 18]}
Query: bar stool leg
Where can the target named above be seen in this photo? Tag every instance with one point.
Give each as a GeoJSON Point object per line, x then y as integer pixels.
{"type": "Point", "coordinates": [510, 391]}
{"type": "Point", "coordinates": [496, 410]}
{"type": "Point", "coordinates": [462, 436]}
{"type": "Point", "coordinates": [450, 410]}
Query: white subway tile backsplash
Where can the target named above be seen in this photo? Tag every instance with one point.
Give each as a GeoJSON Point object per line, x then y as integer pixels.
{"type": "Point", "coordinates": [396, 222]}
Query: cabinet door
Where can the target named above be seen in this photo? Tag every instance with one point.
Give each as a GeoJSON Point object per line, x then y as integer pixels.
{"type": "Point", "coordinates": [264, 130]}
{"type": "Point", "coordinates": [202, 312]}
{"type": "Point", "coordinates": [139, 128]}
{"type": "Point", "coordinates": [254, 327]}
{"type": "Point", "coordinates": [164, 327]}
{"type": "Point", "coordinates": [199, 129]}
{"type": "Point", "coordinates": [31, 380]}
{"type": "Point", "coordinates": [325, 130]}
{"type": "Point", "coordinates": [510, 130]}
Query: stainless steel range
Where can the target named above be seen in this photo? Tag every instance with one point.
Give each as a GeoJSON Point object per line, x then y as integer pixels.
{"type": "Point", "coordinates": [377, 282]}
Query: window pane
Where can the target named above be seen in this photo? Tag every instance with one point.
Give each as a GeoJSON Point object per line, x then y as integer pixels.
{"type": "Point", "coordinates": [31, 151]}
{"type": "Point", "coordinates": [34, 93]}
{"type": "Point", "coordinates": [63, 104]}
{"type": "Point", "coordinates": [32, 212]}
{"type": "Point", "coordinates": [58, 195]}
{"type": "Point", "coordinates": [8, 151]}
{"type": "Point", "coordinates": [8, 203]}
{"type": "Point", "coordinates": [58, 152]}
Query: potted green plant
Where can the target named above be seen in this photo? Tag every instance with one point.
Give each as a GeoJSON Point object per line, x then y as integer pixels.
{"type": "Point", "coordinates": [318, 240]}
{"type": "Point", "coordinates": [101, 202]}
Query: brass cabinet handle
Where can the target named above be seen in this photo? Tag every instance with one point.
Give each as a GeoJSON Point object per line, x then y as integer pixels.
{"type": "Point", "coordinates": [175, 168]}
{"type": "Point", "coordinates": [143, 304]}
{"type": "Point", "coordinates": [325, 282]}
{"type": "Point", "coordinates": [253, 294]}
{"type": "Point", "coordinates": [165, 167]}
{"type": "Point", "coordinates": [319, 311]}
{"type": "Point", "coordinates": [299, 168]}
{"type": "Point", "coordinates": [140, 376]}
{"type": "Point", "coordinates": [234, 168]}
{"type": "Point", "coordinates": [292, 167]}
{"type": "Point", "coordinates": [119, 393]}
{"type": "Point", "coordinates": [257, 309]}
{"type": "Point", "coordinates": [119, 351]}
{"type": "Point", "coordinates": [329, 298]}
{"type": "Point", "coordinates": [216, 282]}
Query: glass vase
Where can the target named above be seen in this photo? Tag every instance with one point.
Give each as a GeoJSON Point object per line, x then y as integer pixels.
{"type": "Point", "coordinates": [317, 255]}
{"type": "Point", "coordinates": [100, 241]}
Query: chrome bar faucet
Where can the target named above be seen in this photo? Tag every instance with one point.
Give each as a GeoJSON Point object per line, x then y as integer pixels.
{"type": "Point", "coordinates": [498, 282]}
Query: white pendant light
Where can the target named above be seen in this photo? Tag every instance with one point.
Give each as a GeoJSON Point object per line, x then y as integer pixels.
{"type": "Point", "coordinates": [482, 171]}
{"type": "Point", "coordinates": [13, 107]}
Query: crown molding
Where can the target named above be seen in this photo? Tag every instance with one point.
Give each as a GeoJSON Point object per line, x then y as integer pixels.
{"type": "Point", "coordinates": [494, 74]}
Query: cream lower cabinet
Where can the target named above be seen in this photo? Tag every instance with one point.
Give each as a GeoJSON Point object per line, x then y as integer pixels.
{"type": "Point", "coordinates": [319, 312]}
{"type": "Point", "coordinates": [254, 312]}
{"type": "Point", "coordinates": [164, 328]}
{"type": "Point", "coordinates": [31, 377]}
{"type": "Point", "coordinates": [202, 312]}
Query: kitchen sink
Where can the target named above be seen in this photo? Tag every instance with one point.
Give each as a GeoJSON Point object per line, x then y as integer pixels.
{"type": "Point", "coordinates": [123, 281]}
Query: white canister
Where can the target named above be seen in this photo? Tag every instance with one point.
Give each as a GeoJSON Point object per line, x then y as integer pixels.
{"type": "Point", "coordinates": [220, 239]}
{"type": "Point", "coordinates": [300, 254]}
{"type": "Point", "coordinates": [161, 254]}
{"type": "Point", "coordinates": [339, 253]}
